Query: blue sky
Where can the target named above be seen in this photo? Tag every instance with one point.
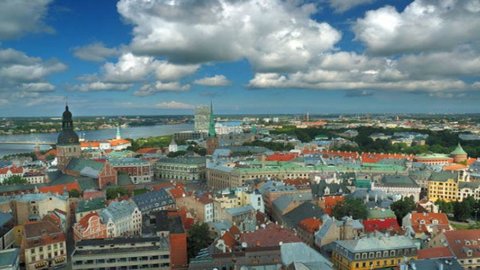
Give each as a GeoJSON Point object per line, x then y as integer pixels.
{"type": "Point", "coordinates": [251, 56]}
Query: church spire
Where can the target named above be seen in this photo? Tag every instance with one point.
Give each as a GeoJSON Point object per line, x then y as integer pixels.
{"type": "Point", "coordinates": [211, 125]}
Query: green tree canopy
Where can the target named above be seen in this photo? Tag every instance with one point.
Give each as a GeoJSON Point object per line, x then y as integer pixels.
{"type": "Point", "coordinates": [198, 238]}
{"type": "Point", "coordinates": [350, 207]}
{"type": "Point", "coordinates": [402, 207]}
{"type": "Point", "coordinates": [116, 192]}
{"type": "Point", "coordinates": [74, 193]}
{"type": "Point", "coordinates": [15, 180]}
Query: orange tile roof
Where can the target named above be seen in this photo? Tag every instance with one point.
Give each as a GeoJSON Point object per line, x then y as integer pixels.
{"type": "Point", "coordinates": [470, 161]}
{"type": "Point", "coordinates": [60, 188]}
{"type": "Point", "coordinates": [427, 219]}
{"type": "Point", "coordinates": [454, 167]}
{"type": "Point", "coordinates": [460, 241]}
{"type": "Point", "coordinates": [229, 239]}
{"type": "Point", "coordinates": [176, 192]}
{"type": "Point", "coordinates": [310, 225]}
{"type": "Point", "coordinates": [119, 142]}
{"type": "Point", "coordinates": [90, 144]}
{"type": "Point", "coordinates": [13, 169]}
{"type": "Point", "coordinates": [342, 154]}
{"type": "Point", "coordinates": [148, 150]}
{"type": "Point", "coordinates": [281, 157]}
{"type": "Point", "coordinates": [434, 253]}
{"type": "Point", "coordinates": [52, 152]}
{"type": "Point", "coordinates": [330, 202]}
{"type": "Point", "coordinates": [376, 157]}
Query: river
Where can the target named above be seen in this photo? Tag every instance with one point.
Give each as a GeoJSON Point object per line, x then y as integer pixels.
{"type": "Point", "coordinates": [90, 135]}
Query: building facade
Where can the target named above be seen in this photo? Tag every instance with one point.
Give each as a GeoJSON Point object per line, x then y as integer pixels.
{"type": "Point", "coordinates": [181, 168]}
{"type": "Point", "coordinates": [122, 219]}
{"type": "Point", "coordinates": [122, 253]}
{"type": "Point", "coordinates": [373, 252]}
{"type": "Point", "coordinates": [139, 170]}
{"type": "Point", "coordinates": [89, 227]}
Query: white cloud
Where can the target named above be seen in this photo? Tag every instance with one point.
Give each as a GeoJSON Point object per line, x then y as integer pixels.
{"type": "Point", "coordinates": [174, 105]}
{"type": "Point", "coordinates": [165, 71]}
{"type": "Point", "coordinates": [20, 72]}
{"type": "Point", "coordinates": [20, 16]}
{"type": "Point", "coordinates": [271, 34]}
{"type": "Point", "coordinates": [217, 80]}
{"type": "Point", "coordinates": [344, 5]}
{"type": "Point", "coordinates": [102, 86]}
{"type": "Point", "coordinates": [150, 89]}
{"type": "Point", "coordinates": [96, 52]}
{"type": "Point", "coordinates": [424, 25]}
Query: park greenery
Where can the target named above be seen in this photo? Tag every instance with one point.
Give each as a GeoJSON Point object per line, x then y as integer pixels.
{"type": "Point", "coordinates": [274, 146]}
{"type": "Point", "coordinates": [354, 208]}
{"type": "Point", "coordinates": [74, 193]}
{"type": "Point", "coordinates": [467, 209]}
{"type": "Point", "coordinates": [14, 180]}
{"type": "Point", "coordinates": [155, 142]}
{"type": "Point", "coordinates": [115, 192]}
{"type": "Point", "coordinates": [198, 238]}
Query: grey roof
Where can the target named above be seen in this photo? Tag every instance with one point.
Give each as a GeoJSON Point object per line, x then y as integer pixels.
{"type": "Point", "coordinates": [284, 201]}
{"type": "Point", "coordinates": [153, 200]}
{"type": "Point", "coordinates": [86, 167]}
{"type": "Point", "coordinates": [434, 264]}
{"type": "Point", "coordinates": [327, 224]}
{"type": "Point", "coordinates": [272, 186]}
{"type": "Point", "coordinates": [376, 243]}
{"type": "Point", "coordinates": [334, 188]}
{"type": "Point", "coordinates": [471, 185]}
{"type": "Point", "coordinates": [303, 211]}
{"type": "Point", "coordinates": [301, 252]}
{"type": "Point", "coordinates": [240, 210]}
{"type": "Point", "coordinates": [5, 218]}
{"type": "Point", "coordinates": [443, 176]}
{"type": "Point", "coordinates": [397, 181]}
{"type": "Point", "coordinates": [8, 257]}
{"type": "Point", "coordinates": [118, 210]}
{"type": "Point", "coordinates": [90, 205]}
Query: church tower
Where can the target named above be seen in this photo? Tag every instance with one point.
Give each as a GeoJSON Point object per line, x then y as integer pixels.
{"type": "Point", "coordinates": [212, 140]}
{"type": "Point", "coordinates": [68, 145]}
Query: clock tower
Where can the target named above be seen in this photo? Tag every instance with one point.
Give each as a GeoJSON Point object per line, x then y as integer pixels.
{"type": "Point", "coordinates": [68, 145]}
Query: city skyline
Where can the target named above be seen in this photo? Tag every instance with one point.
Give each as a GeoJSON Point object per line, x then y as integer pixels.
{"type": "Point", "coordinates": [248, 57]}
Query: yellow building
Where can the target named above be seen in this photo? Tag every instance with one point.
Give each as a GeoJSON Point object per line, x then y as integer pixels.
{"type": "Point", "coordinates": [375, 252]}
{"type": "Point", "coordinates": [446, 186]}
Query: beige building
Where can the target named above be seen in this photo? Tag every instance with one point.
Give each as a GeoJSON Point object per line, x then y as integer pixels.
{"type": "Point", "coordinates": [44, 246]}
{"type": "Point", "coordinates": [181, 168]}
{"type": "Point", "coordinates": [33, 207]}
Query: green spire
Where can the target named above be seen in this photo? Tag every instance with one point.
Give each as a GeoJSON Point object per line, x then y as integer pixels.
{"type": "Point", "coordinates": [458, 151]}
{"type": "Point", "coordinates": [211, 125]}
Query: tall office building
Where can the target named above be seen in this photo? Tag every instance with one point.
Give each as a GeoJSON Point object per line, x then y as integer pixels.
{"type": "Point", "coordinates": [202, 118]}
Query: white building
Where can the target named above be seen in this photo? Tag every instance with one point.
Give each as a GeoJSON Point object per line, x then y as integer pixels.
{"type": "Point", "coordinates": [122, 219]}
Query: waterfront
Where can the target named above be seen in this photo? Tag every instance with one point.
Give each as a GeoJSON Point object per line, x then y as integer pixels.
{"type": "Point", "coordinates": [103, 134]}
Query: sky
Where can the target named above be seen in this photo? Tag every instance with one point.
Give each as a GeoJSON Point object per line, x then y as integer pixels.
{"type": "Point", "coordinates": [161, 57]}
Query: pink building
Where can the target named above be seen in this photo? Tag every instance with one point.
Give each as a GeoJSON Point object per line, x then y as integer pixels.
{"type": "Point", "coordinates": [89, 227]}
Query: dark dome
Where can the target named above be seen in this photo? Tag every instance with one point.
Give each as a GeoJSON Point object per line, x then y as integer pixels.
{"type": "Point", "coordinates": [67, 136]}
{"type": "Point", "coordinates": [67, 115]}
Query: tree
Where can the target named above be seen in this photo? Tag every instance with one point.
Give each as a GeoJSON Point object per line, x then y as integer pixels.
{"type": "Point", "coordinates": [464, 210]}
{"type": "Point", "coordinates": [350, 207]}
{"type": "Point", "coordinates": [402, 207]}
{"type": "Point", "coordinates": [198, 238]}
{"type": "Point", "coordinates": [15, 180]}
{"type": "Point", "coordinates": [74, 193]}
{"type": "Point", "coordinates": [444, 207]}
{"type": "Point", "coordinates": [116, 192]}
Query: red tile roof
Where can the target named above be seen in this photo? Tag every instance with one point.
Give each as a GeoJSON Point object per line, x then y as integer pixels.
{"type": "Point", "coordinates": [148, 150]}
{"type": "Point", "coordinates": [454, 167]}
{"type": "Point", "coordinates": [281, 157]}
{"type": "Point", "coordinates": [119, 142]}
{"type": "Point", "coordinates": [376, 157]}
{"type": "Point", "coordinates": [388, 224]}
{"type": "Point", "coordinates": [310, 225]}
{"type": "Point", "coordinates": [462, 241]}
{"type": "Point", "coordinates": [229, 239]}
{"type": "Point", "coordinates": [270, 236]}
{"type": "Point", "coordinates": [298, 183]}
{"type": "Point", "coordinates": [90, 144]}
{"type": "Point", "coordinates": [13, 170]}
{"type": "Point", "coordinates": [60, 188]}
{"type": "Point", "coordinates": [420, 221]}
{"type": "Point", "coordinates": [342, 154]}
{"type": "Point", "coordinates": [176, 192]}
{"type": "Point", "coordinates": [434, 253]}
